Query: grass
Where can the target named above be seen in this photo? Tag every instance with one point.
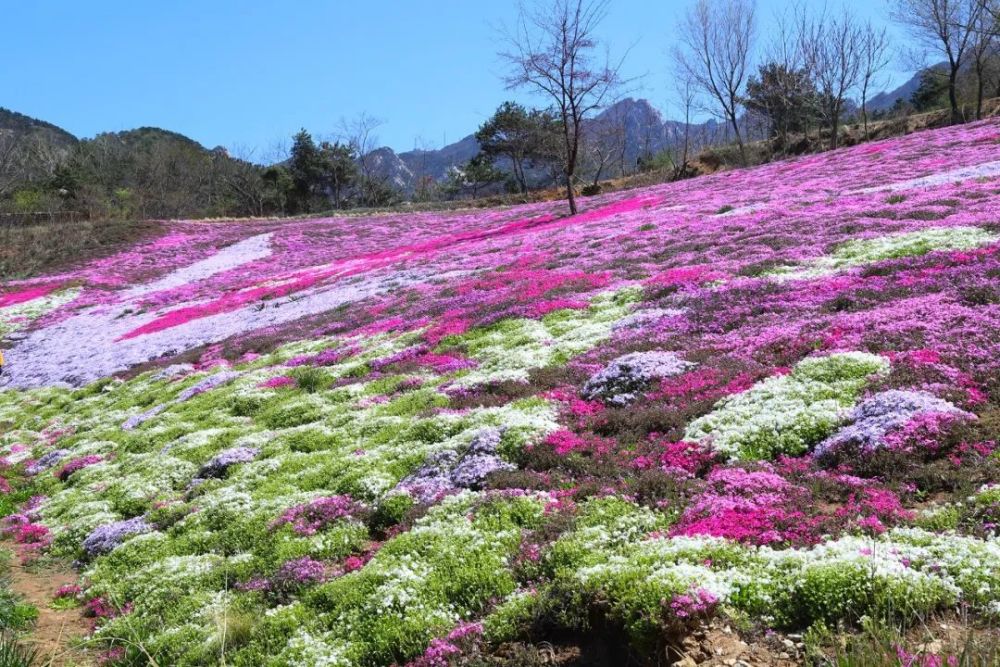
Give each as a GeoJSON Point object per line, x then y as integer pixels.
{"type": "Point", "coordinates": [880, 642]}
{"type": "Point", "coordinates": [31, 250]}
{"type": "Point", "coordinates": [15, 654]}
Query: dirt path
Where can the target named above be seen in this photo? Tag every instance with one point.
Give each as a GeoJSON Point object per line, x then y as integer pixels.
{"type": "Point", "coordinates": [55, 629]}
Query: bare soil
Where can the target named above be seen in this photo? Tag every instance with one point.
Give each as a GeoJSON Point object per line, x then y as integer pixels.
{"type": "Point", "coordinates": [55, 630]}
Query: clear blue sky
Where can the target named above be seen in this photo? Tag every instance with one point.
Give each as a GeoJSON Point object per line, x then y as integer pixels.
{"type": "Point", "coordinates": [251, 72]}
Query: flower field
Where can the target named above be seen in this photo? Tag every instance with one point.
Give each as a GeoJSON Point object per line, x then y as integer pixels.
{"type": "Point", "coordinates": [770, 396]}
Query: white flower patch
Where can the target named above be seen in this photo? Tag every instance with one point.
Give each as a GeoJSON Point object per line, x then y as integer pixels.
{"type": "Point", "coordinates": [230, 257]}
{"type": "Point", "coordinates": [513, 347]}
{"type": "Point", "coordinates": [951, 176]}
{"type": "Point", "coordinates": [790, 413]}
{"type": "Point", "coordinates": [867, 251]}
{"type": "Point", "coordinates": [16, 317]}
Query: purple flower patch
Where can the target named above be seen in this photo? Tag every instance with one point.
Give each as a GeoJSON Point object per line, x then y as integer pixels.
{"type": "Point", "coordinates": [105, 539]}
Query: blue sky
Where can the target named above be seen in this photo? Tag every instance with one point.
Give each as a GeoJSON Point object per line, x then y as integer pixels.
{"type": "Point", "coordinates": [249, 73]}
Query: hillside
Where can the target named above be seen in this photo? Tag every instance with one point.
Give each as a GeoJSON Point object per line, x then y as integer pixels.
{"type": "Point", "coordinates": [746, 417]}
{"type": "Point", "coordinates": [21, 125]}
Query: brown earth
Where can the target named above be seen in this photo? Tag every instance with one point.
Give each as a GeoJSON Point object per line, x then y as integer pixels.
{"type": "Point", "coordinates": [56, 630]}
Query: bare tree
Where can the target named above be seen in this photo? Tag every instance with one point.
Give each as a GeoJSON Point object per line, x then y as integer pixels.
{"type": "Point", "coordinates": [605, 142]}
{"type": "Point", "coordinates": [10, 162]}
{"type": "Point", "coordinates": [948, 26]}
{"type": "Point", "coordinates": [718, 38]}
{"type": "Point", "coordinates": [551, 51]}
{"type": "Point", "coordinates": [984, 48]}
{"type": "Point", "coordinates": [832, 48]}
{"type": "Point", "coordinates": [360, 134]}
{"type": "Point", "coordinates": [686, 97]}
{"type": "Point", "coordinates": [243, 180]}
{"type": "Point", "coordinates": [875, 56]}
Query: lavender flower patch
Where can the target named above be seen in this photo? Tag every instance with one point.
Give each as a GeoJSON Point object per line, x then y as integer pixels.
{"type": "Point", "coordinates": [105, 539]}
{"type": "Point", "coordinates": [641, 319]}
{"type": "Point", "coordinates": [621, 381]}
{"type": "Point", "coordinates": [46, 461]}
{"type": "Point", "coordinates": [135, 421]}
{"type": "Point", "coordinates": [207, 384]}
{"type": "Point", "coordinates": [445, 472]}
{"type": "Point", "coordinates": [174, 371]}
{"type": "Point", "coordinates": [295, 574]}
{"type": "Point", "coordinates": [473, 470]}
{"type": "Point", "coordinates": [876, 417]}
{"type": "Point", "coordinates": [219, 464]}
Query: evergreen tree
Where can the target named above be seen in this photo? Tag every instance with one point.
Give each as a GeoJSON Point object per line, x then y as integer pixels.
{"type": "Point", "coordinates": [786, 97]}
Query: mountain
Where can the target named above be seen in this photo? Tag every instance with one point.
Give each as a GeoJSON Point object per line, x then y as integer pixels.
{"type": "Point", "coordinates": [645, 132]}
{"type": "Point", "coordinates": [435, 164]}
{"type": "Point", "coordinates": [385, 163]}
{"type": "Point", "coordinates": [30, 149]}
{"type": "Point", "coordinates": [884, 101]}
{"type": "Point", "coordinates": [17, 124]}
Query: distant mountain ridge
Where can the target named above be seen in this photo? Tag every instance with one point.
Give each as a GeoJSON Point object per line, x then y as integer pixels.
{"type": "Point", "coordinates": [13, 122]}
{"type": "Point", "coordinates": [646, 132]}
{"type": "Point", "coordinates": [885, 100]}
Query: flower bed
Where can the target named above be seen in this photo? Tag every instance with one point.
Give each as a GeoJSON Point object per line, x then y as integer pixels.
{"type": "Point", "coordinates": [413, 437]}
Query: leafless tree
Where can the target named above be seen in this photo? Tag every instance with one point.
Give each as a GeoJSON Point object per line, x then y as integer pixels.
{"type": "Point", "coordinates": [605, 142]}
{"type": "Point", "coordinates": [875, 57]}
{"type": "Point", "coordinates": [242, 177]}
{"type": "Point", "coordinates": [717, 38]}
{"type": "Point", "coordinates": [361, 134]}
{"type": "Point", "coordinates": [833, 53]}
{"type": "Point", "coordinates": [10, 161]}
{"type": "Point", "coordinates": [947, 26]}
{"type": "Point", "coordinates": [984, 48]}
{"type": "Point", "coordinates": [685, 96]}
{"type": "Point", "coordinates": [551, 51]}
{"type": "Point", "coordinates": [991, 9]}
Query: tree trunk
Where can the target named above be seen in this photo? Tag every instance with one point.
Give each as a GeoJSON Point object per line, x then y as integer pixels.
{"type": "Point", "coordinates": [739, 139]}
{"type": "Point", "coordinates": [570, 166]}
{"type": "Point", "coordinates": [834, 126]}
{"type": "Point", "coordinates": [979, 94]}
{"type": "Point", "coordinates": [519, 174]}
{"type": "Point", "coordinates": [953, 96]}
{"type": "Point", "coordinates": [570, 195]}
{"type": "Point", "coordinates": [864, 108]}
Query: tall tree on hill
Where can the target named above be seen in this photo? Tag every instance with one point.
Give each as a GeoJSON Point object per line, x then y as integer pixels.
{"type": "Point", "coordinates": [360, 133]}
{"type": "Point", "coordinates": [932, 90]}
{"type": "Point", "coordinates": [551, 51]}
{"type": "Point", "coordinates": [473, 176]}
{"type": "Point", "coordinates": [305, 165]}
{"type": "Point", "coordinates": [786, 97]}
{"type": "Point", "coordinates": [340, 169]}
{"type": "Point", "coordinates": [717, 38]}
{"type": "Point", "coordinates": [875, 55]}
{"type": "Point", "coordinates": [520, 135]}
{"type": "Point", "coordinates": [949, 27]}
{"type": "Point", "coordinates": [984, 49]}
{"type": "Point", "coordinates": [832, 48]}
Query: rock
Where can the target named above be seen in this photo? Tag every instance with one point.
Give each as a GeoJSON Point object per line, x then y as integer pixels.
{"type": "Point", "coordinates": [930, 648]}
{"type": "Point", "coordinates": [686, 661]}
{"type": "Point", "coordinates": [788, 643]}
